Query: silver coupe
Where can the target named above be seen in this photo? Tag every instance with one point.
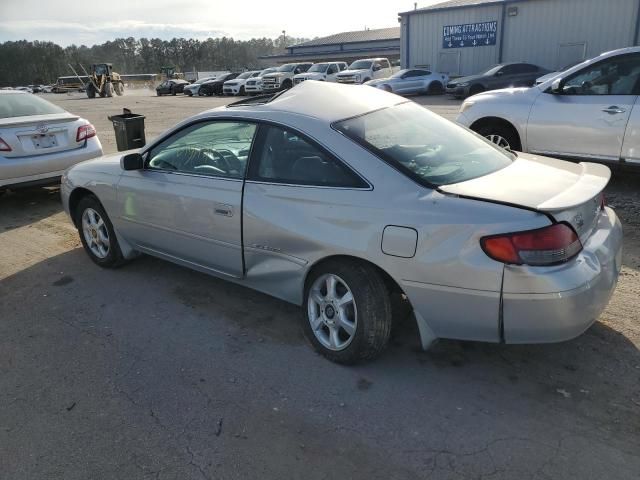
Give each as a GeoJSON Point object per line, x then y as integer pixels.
{"type": "Point", "coordinates": [412, 80]}
{"type": "Point", "coordinates": [348, 200]}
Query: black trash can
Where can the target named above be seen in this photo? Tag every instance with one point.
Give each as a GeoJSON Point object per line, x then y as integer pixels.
{"type": "Point", "coordinates": [129, 128]}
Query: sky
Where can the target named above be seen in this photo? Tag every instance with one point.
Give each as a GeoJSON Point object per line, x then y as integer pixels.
{"type": "Point", "coordinates": [80, 23]}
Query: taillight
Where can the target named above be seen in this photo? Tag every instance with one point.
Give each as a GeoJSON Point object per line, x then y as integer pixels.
{"type": "Point", "coordinates": [545, 246]}
{"type": "Point", "coordinates": [4, 146]}
{"type": "Point", "coordinates": [85, 132]}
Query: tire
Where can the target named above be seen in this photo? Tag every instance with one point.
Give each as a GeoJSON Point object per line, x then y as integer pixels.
{"type": "Point", "coordinates": [502, 135]}
{"type": "Point", "coordinates": [287, 84]}
{"type": "Point", "coordinates": [118, 87]}
{"type": "Point", "coordinates": [366, 80]}
{"type": "Point", "coordinates": [91, 92]}
{"type": "Point", "coordinates": [435, 88]}
{"type": "Point", "coordinates": [173, 91]}
{"type": "Point", "coordinates": [95, 229]}
{"type": "Point", "coordinates": [242, 92]}
{"type": "Point", "coordinates": [108, 89]}
{"type": "Point", "coordinates": [475, 89]}
{"type": "Point", "coordinates": [368, 314]}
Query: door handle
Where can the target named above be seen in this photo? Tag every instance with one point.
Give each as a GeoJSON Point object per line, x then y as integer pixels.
{"type": "Point", "coordinates": [224, 210]}
{"type": "Point", "coordinates": [613, 110]}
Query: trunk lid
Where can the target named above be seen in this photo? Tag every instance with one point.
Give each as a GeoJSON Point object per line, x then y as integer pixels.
{"type": "Point", "coordinates": [569, 192]}
{"type": "Point", "coordinates": [39, 135]}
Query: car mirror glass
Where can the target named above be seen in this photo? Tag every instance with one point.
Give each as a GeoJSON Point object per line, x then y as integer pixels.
{"type": "Point", "coordinates": [556, 86]}
{"type": "Point", "coordinates": [132, 161]}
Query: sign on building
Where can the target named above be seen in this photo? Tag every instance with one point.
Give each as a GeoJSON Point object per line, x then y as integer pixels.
{"type": "Point", "coordinates": [479, 34]}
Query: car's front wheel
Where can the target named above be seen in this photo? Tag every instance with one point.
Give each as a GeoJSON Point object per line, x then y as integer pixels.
{"type": "Point", "coordinates": [97, 234]}
{"type": "Point", "coordinates": [504, 136]}
{"type": "Point", "coordinates": [347, 311]}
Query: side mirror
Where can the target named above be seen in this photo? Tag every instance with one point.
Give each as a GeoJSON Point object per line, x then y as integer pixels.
{"type": "Point", "coordinates": [132, 161]}
{"type": "Point", "coordinates": [499, 74]}
{"type": "Point", "coordinates": [556, 86]}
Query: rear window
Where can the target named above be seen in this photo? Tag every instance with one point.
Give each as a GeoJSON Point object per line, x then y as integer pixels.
{"type": "Point", "coordinates": [24, 105]}
{"type": "Point", "coordinates": [426, 147]}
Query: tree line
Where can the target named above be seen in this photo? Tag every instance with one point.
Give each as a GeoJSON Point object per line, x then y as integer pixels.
{"type": "Point", "coordinates": [25, 62]}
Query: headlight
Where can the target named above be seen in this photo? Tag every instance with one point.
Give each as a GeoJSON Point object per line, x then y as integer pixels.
{"type": "Point", "coordinates": [465, 84]}
{"type": "Point", "coordinates": [358, 78]}
{"type": "Point", "coordinates": [466, 105]}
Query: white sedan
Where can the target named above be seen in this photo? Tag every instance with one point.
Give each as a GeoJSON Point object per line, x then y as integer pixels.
{"type": "Point", "coordinates": [39, 140]}
{"type": "Point", "coordinates": [347, 200]}
{"type": "Point", "coordinates": [590, 111]}
{"type": "Point", "coordinates": [412, 80]}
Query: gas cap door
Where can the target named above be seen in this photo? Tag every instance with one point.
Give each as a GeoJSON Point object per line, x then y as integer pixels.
{"type": "Point", "coordinates": [399, 241]}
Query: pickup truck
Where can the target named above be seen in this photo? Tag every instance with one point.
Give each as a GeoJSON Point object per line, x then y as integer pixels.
{"type": "Point", "coordinates": [322, 72]}
{"type": "Point", "coordinates": [282, 78]}
{"type": "Point", "coordinates": [362, 71]}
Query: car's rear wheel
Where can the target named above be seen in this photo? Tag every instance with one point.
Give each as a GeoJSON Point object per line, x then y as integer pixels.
{"type": "Point", "coordinates": [97, 234]}
{"type": "Point", "coordinates": [348, 311]}
{"type": "Point", "coordinates": [502, 135]}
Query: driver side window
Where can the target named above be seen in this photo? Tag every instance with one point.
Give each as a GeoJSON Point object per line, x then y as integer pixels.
{"type": "Point", "coordinates": [614, 76]}
{"type": "Point", "coordinates": [219, 149]}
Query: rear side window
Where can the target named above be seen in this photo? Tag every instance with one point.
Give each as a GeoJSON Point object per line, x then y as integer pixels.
{"type": "Point", "coordinates": [24, 105]}
{"type": "Point", "coordinates": [284, 156]}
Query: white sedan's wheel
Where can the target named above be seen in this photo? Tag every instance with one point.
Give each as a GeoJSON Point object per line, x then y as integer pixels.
{"type": "Point", "coordinates": [332, 312]}
{"type": "Point", "coordinates": [500, 141]}
{"type": "Point", "coordinates": [347, 311]}
{"type": "Point", "coordinates": [95, 233]}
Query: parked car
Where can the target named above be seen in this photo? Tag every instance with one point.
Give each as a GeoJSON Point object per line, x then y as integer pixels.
{"type": "Point", "coordinates": [214, 87]}
{"type": "Point", "coordinates": [237, 85]}
{"type": "Point", "coordinates": [39, 140]}
{"type": "Point", "coordinates": [254, 85]}
{"type": "Point", "coordinates": [171, 87]}
{"type": "Point", "coordinates": [322, 72]}
{"type": "Point", "coordinates": [194, 88]}
{"type": "Point", "coordinates": [340, 199]}
{"type": "Point", "coordinates": [24, 89]}
{"type": "Point", "coordinates": [361, 71]}
{"type": "Point", "coordinates": [412, 80]}
{"type": "Point", "coordinates": [499, 76]}
{"type": "Point", "coordinates": [588, 112]}
{"type": "Point", "coordinates": [282, 78]}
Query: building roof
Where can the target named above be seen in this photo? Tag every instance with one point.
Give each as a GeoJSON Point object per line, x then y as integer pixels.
{"type": "Point", "coordinates": [453, 4]}
{"type": "Point", "coordinates": [392, 33]}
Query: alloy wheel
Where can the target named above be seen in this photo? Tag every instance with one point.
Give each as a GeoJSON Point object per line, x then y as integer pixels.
{"type": "Point", "coordinates": [332, 312]}
{"type": "Point", "coordinates": [500, 141]}
{"type": "Point", "coordinates": [95, 233]}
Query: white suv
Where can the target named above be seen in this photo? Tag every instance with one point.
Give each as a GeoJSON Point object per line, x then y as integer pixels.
{"type": "Point", "coordinates": [587, 112]}
{"type": "Point", "coordinates": [237, 85]}
{"type": "Point", "coordinates": [323, 72]}
{"type": "Point", "coordinates": [254, 85]}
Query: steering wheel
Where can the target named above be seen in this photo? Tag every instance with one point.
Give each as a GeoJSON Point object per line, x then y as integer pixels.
{"type": "Point", "coordinates": [429, 158]}
{"type": "Point", "coordinates": [232, 160]}
{"type": "Point", "coordinates": [217, 158]}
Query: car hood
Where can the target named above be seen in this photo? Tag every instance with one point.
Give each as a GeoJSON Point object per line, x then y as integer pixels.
{"type": "Point", "coordinates": [380, 81]}
{"type": "Point", "coordinates": [470, 78]}
{"type": "Point", "coordinates": [353, 72]}
{"type": "Point", "coordinates": [311, 76]}
{"type": "Point", "coordinates": [537, 182]}
{"type": "Point", "coordinates": [106, 164]}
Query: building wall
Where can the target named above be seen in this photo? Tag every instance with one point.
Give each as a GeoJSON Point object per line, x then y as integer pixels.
{"type": "Point", "coordinates": [550, 33]}
{"type": "Point", "coordinates": [354, 46]}
{"type": "Point", "coordinates": [424, 43]}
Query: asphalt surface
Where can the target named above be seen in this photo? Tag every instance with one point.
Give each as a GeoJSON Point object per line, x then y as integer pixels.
{"type": "Point", "coordinates": [155, 371]}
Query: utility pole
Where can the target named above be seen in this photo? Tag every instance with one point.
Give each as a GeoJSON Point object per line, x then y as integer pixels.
{"type": "Point", "coordinates": [284, 40]}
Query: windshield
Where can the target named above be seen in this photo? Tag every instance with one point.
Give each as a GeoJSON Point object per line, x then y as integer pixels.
{"type": "Point", "coordinates": [24, 105]}
{"type": "Point", "coordinates": [287, 67]}
{"type": "Point", "coordinates": [491, 71]}
{"type": "Point", "coordinates": [360, 65]}
{"type": "Point", "coordinates": [267, 70]}
{"type": "Point", "coordinates": [425, 146]}
{"type": "Point", "coordinates": [399, 74]}
{"type": "Point", "coordinates": [319, 67]}
{"type": "Point", "coordinates": [244, 75]}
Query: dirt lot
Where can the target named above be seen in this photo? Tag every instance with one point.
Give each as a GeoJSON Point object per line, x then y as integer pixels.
{"type": "Point", "coordinates": [154, 371]}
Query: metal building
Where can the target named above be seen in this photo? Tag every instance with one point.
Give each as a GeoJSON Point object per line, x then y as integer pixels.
{"type": "Point", "coordinates": [462, 37]}
{"type": "Point", "coordinates": [345, 46]}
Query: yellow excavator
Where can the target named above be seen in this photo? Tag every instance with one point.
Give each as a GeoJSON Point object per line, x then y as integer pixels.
{"type": "Point", "coordinates": [103, 81]}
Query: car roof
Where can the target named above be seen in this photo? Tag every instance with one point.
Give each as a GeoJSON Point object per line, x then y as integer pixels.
{"type": "Point", "coordinates": [324, 101]}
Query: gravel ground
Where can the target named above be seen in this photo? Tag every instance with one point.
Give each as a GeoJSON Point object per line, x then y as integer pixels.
{"type": "Point", "coordinates": [155, 371]}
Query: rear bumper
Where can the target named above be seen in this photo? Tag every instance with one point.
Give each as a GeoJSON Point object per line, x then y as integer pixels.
{"type": "Point", "coordinates": [16, 171]}
{"type": "Point", "coordinates": [560, 303]}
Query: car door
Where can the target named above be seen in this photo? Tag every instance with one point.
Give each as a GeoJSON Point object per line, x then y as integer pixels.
{"type": "Point", "coordinates": [294, 189]}
{"type": "Point", "coordinates": [588, 116]}
{"type": "Point", "coordinates": [332, 70]}
{"type": "Point", "coordinates": [186, 204]}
